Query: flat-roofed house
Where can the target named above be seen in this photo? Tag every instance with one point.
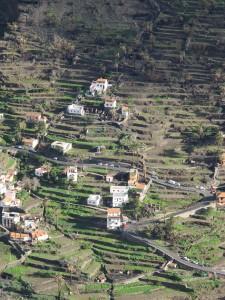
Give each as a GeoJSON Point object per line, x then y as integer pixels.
{"type": "Point", "coordinates": [75, 109]}
{"type": "Point", "coordinates": [62, 147]}
{"type": "Point", "coordinates": [94, 200]}
{"type": "Point", "coordinates": [71, 173]}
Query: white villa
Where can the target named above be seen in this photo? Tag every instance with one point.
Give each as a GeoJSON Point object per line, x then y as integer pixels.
{"type": "Point", "coordinates": [118, 199]}
{"type": "Point", "coordinates": [110, 102]}
{"type": "Point", "coordinates": [99, 86]}
{"type": "Point", "coordinates": [75, 109]}
{"type": "Point", "coordinates": [62, 147]}
{"type": "Point", "coordinates": [94, 200]}
{"type": "Point", "coordinates": [119, 189]}
{"type": "Point", "coordinates": [71, 173]}
{"type": "Point", "coordinates": [119, 195]}
{"type": "Point", "coordinates": [113, 218]}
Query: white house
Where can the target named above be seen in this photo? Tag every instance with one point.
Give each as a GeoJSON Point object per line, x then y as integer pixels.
{"type": "Point", "coordinates": [94, 200]}
{"type": "Point", "coordinates": [62, 147]}
{"type": "Point", "coordinates": [71, 173]}
{"type": "Point", "coordinates": [1, 116]}
{"type": "Point", "coordinates": [113, 218]}
{"type": "Point", "coordinates": [10, 219]}
{"type": "Point", "coordinates": [109, 177]}
{"type": "Point", "coordinates": [75, 109]}
{"type": "Point", "coordinates": [117, 189]}
{"type": "Point", "coordinates": [39, 172]}
{"type": "Point", "coordinates": [99, 86]}
{"type": "Point", "coordinates": [2, 188]}
{"type": "Point", "coordinates": [119, 195]}
{"type": "Point", "coordinates": [125, 111]}
{"type": "Point", "coordinates": [110, 102]}
{"type": "Point", "coordinates": [118, 199]}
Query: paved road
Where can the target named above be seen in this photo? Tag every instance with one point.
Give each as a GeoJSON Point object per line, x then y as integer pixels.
{"type": "Point", "coordinates": [182, 187]}
{"type": "Point", "coordinates": [196, 206]}
{"type": "Point", "coordinates": [109, 164]}
{"type": "Point", "coordinates": [170, 254]}
{"type": "Point", "coordinates": [5, 231]}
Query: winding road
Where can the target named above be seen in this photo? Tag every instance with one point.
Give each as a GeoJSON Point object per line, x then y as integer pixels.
{"type": "Point", "coordinates": [170, 254]}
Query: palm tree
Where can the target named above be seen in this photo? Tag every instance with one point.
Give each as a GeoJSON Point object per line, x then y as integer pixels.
{"type": "Point", "coordinates": [59, 280]}
{"type": "Point", "coordinates": [71, 269]}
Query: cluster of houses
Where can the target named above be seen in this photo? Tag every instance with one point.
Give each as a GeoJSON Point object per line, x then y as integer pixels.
{"type": "Point", "coordinates": [22, 227]}
{"type": "Point", "coordinates": [70, 172]}
{"type": "Point", "coordinates": [119, 195]}
{"type": "Point", "coordinates": [99, 88]}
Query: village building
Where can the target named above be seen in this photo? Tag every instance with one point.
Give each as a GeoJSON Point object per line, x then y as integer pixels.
{"type": "Point", "coordinates": [99, 87]}
{"type": "Point", "coordinates": [94, 200]}
{"type": "Point", "coordinates": [10, 200]}
{"type": "Point", "coordinates": [40, 172]}
{"type": "Point", "coordinates": [9, 177]}
{"type": "Point", "coordinates": [118, 199]}
{"type": "Point", "coordinates": [113, 218]}
{"type": "Point", "coordinates": [20, 237]}
{"type": "Point", "coordinates": [110, 102]}
{"type": "Point", "coordinates": [35, 117]}
{"type": "Point", "coordinates": [71, 173]}
{"type": "Point", "coordinates": [75, 109]}
{"type": "Point", "coordinates": [1, 116]}
{"type": "Point", "coordinates": [109, 177]}
{"type": "Point", "coordinates": [34, 236]}
{"type": "Point", "coordinates": [220, 199]}
{"type": "Point", "coordinates": [116, 189]}
{"type": "Point", "coordinates": [133, 177]}
{"type": "Point", "coordinates": [39, 235]}
{"type": "Point", "coordinates": [125, 111]}
{"type": "Point", "coordinates": [119, 195]}
{"type": "Point", "coordinates": [30, 143]}
{"type": "Point", "coordinates": [10, 218]}
{"type": "Point", "coordinates": [62, 147]}
{"type": "Point", "coordinates": [2, 188]}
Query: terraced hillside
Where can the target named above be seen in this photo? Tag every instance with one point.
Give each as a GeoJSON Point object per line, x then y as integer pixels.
{"type": "Point", "coordinates": [167, 65]}
{"type": "Point", "coordinates": [165, 60]}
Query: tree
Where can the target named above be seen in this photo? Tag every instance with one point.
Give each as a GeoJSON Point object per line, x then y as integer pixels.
{"type": "Point", "coordinates": [59, 280]}
{"type": "Point", "coordinates": [42, 130]}
{"type": "Point", "coordinates": [45, 204]}
{"type": "Point", "coordinates": [71, 269]}
{"type": "Point", "coordinates": [219, 139]}
{"type": "Point", "coordinates": [30, 184]}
